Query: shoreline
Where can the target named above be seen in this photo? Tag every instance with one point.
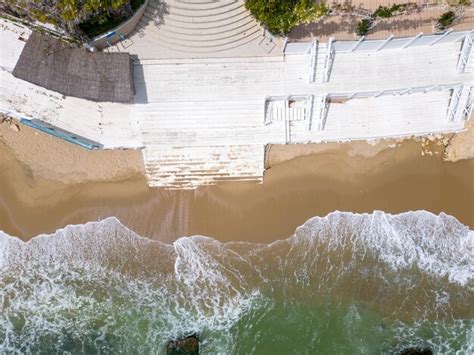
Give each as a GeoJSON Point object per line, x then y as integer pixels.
{"type": "Point", "coordinates": [302, 182]}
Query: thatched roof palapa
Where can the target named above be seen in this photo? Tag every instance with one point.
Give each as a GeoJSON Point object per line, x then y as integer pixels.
{"type": "Point", "coordinates": [57, 66]}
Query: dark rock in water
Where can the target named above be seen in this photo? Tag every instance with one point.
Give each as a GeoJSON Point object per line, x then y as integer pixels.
{"type": "Point", "coordinates": [185, 346]}
{"type": "Point", "coordinates": [416, 351]}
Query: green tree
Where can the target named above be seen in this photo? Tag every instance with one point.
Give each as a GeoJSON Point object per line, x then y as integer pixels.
{"type": "Point", "coordinates": [75, 17]}
{"type": "Point", "coordinates": [281, 16]}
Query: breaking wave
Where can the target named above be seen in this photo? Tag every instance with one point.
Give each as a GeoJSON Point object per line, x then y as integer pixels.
{"type": "Point", "coordinates": [344, 283]}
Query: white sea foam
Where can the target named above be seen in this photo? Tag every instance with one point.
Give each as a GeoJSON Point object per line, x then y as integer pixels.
{"type": "Point", "coordinates": [439, 245]}
{"type": "Point", "coordinates": [119, 281]}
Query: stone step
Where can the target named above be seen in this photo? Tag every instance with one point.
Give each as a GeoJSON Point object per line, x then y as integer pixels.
{"type": "Point", "coordinates": [189, 167]}
{"type": "Point", "coordinates": [198, 10]}
{"type": "Point", "coordinates": [189, 21]}
{"type": "Point", "coordinates": [198, 5]}
{"type": "Point", "coordinates": [228, 34]}
{"type": "Point", "coordinates": [214, 46]}
{"type": "Point", "coordinates": [199, 30]}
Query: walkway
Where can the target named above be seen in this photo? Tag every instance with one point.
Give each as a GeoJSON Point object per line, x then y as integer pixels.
{"type": "Point", "coordinates": [199, 29]}
{"type": "Point", "coordinates": [206, 120]}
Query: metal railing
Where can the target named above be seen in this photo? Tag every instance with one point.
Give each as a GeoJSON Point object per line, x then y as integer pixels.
{"type": "Point", "coordinates": [390, 42]}
{"type": "Point", "coordinates": [330, 54]}
{"type": "Point", "coordinates": [466, 52]}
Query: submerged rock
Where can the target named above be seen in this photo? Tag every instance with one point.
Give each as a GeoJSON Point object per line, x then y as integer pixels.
{"type": "Point", "coordinates": [185, 346]}
{"type": "Point", "coordinates": [416, 351]}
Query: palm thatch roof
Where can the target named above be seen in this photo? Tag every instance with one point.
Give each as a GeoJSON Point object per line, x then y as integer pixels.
{"type": "Point", "coordinates": [57, 66]}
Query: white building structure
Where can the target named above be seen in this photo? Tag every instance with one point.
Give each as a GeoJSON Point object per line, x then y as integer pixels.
{"type": "Point", "coordinates": [208, 119]}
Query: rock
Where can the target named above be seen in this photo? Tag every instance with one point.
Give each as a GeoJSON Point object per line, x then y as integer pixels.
{"type": "Point", "coordinates": [185, 346]}
{"type": "Point", "coordinates": [416, 351]}
{"type": "Point", "coordinates": [15, 127]}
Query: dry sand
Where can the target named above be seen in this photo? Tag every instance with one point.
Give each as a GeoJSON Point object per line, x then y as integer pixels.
{"type": "Point", "coordinates": [342, 24]}
{"type": "Point", "coordinates": [46, 184]}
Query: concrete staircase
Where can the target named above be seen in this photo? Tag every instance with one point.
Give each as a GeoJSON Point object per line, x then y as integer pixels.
{"type": "Point", "coordinates": [320, 63]}
{"type": "Point", "coordinates": [466, 57]}
{"type": "Point", "coordinates": [202, 28]}
{"type": "Point", "coordinates": [190, 167]}
{"type": "Point", "coordinates": [470, 63]}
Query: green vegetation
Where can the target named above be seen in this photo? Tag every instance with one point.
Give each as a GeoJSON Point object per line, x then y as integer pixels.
{"type": "Point", "coordinates": [386, 12]}
{"type": "Point", "coordinates": [446, 20]}
{"type": "Point", "coordinates": [82, 19]}
{"type": "Point", "coordinates": [100, 24]}
{"type": "Point", "coordinates": [364, 26]}
{"type": "Point", "coordinates": [281, 16]}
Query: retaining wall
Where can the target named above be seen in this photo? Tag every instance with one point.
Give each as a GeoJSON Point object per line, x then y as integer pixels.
{"type": "Point", "coordinates": [104, 40]}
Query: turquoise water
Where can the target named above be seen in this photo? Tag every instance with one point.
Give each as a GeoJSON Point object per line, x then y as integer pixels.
{"type": "Point", "coordinates": [343, 284]}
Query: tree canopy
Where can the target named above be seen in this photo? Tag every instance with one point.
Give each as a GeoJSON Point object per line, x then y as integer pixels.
{"type": "Point", "coordinates": [281, 16]}
{"type": "Point", "coordinates": [76, 17]}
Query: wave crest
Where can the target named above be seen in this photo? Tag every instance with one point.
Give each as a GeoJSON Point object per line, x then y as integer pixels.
{"type": "Point", "coordinates": [119, 282]}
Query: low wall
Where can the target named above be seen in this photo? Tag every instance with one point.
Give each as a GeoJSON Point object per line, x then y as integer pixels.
{"type": "Point", "coordinates": [61, 133]}
{"type": "Point", "coordinates": [113, 36]}
{"type": "Point", "coordinates": [377, 44]}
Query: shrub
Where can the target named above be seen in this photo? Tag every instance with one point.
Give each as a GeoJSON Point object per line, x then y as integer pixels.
{"type": "Point", "coordinates": [281, 16]}
{"type": "Point", "coordinates": [364, 26]}
{"type": "Point", "coordinates": [446, 20]}
{"type": "Point", "coordinates": [383, 11]}
{"type": "Point", "coordinates": [386, 12]}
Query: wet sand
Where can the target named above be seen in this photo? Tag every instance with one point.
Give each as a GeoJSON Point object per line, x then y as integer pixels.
{"type": "Point", "coordinates": [341, 177]}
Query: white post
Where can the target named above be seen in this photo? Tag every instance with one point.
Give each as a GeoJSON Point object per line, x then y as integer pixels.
{"type": "Point", "coordinates": [328, 61]}
{"type": "Point", "coordinates": [440, 37]}
{"type": "Point", "coordinates": [358, 43]}
{"type": "Point", "coordinates": [285, 43]}
{"type": "Point", "coordinates": [313, 61]}
{"type": "Point", "coordinates": [323, 112]}
{"type": "Point", "coordinates": [310, 112]}
{"type": "Point", "coordinates": [410, 42]}
{"type": "Point", "coordinates": [385, 43]}
{"type": "Point", "coordinates": [310, 47]}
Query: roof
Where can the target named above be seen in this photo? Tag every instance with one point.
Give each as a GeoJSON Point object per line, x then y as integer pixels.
{"type": "Point", "coordinates": [57, 66]}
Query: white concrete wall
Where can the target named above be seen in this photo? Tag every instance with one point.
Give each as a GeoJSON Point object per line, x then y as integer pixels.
{"type": "Point", "coordinates": [201, 121]}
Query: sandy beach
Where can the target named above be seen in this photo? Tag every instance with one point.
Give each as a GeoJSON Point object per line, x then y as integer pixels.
{"type": "Point", "coordinates": [47, 184]}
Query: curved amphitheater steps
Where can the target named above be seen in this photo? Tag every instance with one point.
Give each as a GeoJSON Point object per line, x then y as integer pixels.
{"type": "Point", "coordinates": [200, 29]}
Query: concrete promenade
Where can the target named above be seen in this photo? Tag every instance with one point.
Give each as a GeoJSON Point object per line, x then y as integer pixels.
{"type": "Point", "coordinates": [202, 119]}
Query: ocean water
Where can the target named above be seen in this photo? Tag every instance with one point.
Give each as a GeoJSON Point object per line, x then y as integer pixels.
{"type": "Point", "coordinates": [343, 284]}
